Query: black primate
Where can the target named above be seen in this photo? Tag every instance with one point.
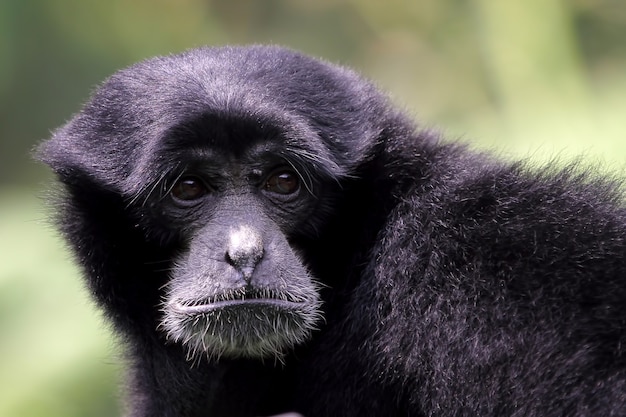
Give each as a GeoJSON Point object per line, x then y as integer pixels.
{"type": "Point", "coordinates": [267, 234]}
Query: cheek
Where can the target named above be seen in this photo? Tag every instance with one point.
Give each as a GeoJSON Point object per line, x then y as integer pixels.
{"type": "Point", "coordinates": [197, 277]}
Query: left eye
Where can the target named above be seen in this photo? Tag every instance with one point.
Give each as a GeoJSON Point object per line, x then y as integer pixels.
{"type": "Point", "coordinates": [188, 188]}
{"type": "Point", "coordinates": [283, 182]}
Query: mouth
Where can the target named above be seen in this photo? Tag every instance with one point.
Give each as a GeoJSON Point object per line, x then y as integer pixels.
{"type": "Point", "coordinates": [251, 298]}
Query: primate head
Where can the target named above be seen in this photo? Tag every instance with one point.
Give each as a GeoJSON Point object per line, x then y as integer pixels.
{"type": "Point", "coordinates": [189, 181]}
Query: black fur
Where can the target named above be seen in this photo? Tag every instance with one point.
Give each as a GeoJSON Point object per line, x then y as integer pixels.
{"type": "Point", "coordinates": [453, 284]}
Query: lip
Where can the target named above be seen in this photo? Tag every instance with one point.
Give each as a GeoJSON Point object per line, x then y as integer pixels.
{"type": "Point", "coordinates": [217, 305]}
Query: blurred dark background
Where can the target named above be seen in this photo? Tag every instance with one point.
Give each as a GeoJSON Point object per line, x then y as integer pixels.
{"type": "Point", "coordinates": [537, 79]}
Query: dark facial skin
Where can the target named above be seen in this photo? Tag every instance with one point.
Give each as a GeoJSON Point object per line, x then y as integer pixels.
{"type": "Point", "coordinates": [238, 289]}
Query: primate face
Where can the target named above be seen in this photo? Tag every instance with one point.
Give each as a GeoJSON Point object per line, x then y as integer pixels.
{"type": "Point", "coordinates": [233, 200]}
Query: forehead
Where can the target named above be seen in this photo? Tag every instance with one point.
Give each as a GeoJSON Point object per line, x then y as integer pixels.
{"type": "Point", "coordinates": [257, 156]}
{"type": "Point", "coordinates": [227, 133]}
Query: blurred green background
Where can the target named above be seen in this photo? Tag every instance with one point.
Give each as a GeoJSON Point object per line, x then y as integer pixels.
{"type": "Point", "coordinates": [533, 78]}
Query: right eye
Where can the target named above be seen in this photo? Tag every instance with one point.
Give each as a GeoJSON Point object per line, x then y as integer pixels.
{"type": "Point", "coordinates": [188, 189]}
{"type": "Point", "coordinates": [282, 182]}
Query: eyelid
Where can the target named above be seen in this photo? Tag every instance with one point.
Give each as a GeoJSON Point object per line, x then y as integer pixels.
{"type": "Point", "coordinates": [277, 170]}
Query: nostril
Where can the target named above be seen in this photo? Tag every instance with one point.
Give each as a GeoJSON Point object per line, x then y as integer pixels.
{"type": "Point", "coordinates": [229, 258]}
{"type": "Point", "coordinates": [245, 250]}
{"type": "Point", "coordinates": [244, 263]}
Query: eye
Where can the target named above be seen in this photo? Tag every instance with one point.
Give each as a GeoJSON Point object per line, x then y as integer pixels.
{"type": "Point", "coordinates": [282, 182]}
{"type": "Point", "coordinates": [188, 188]}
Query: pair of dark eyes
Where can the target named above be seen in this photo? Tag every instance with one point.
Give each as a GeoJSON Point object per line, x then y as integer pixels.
{"type": "Point", "coordinates": [189, 188]}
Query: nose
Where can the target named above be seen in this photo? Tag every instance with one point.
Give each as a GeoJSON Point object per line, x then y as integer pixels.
{"type": "Point", "coordinates": [245, 250]}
